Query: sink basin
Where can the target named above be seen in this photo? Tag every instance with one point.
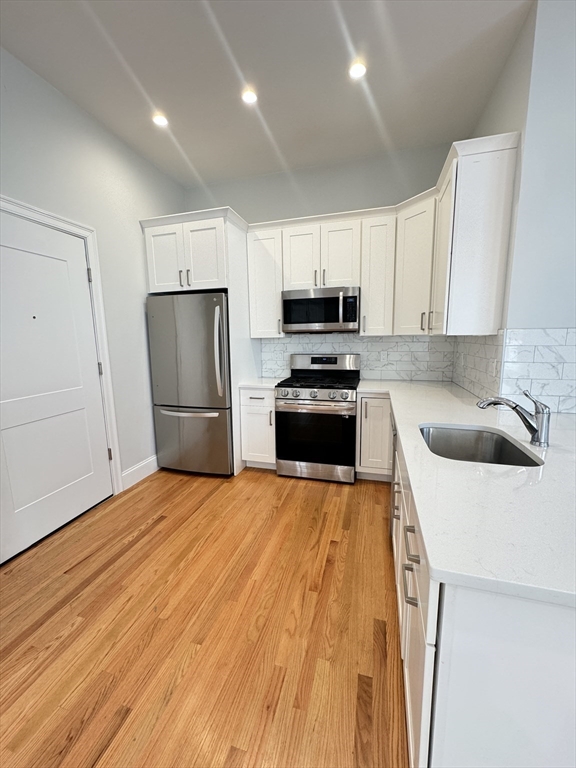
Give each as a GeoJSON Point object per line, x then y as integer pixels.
{"type": "Point", "coordinates": [483, 444]}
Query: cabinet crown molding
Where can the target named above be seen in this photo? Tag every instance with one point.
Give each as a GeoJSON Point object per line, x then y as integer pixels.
{"type": "Point", "coordinates": [323, 218]}
{"type": "Point", "coordinates": [226, 213]}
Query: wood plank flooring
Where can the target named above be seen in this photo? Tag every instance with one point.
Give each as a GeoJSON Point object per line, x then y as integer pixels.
{"type": "Point", "coordinates": [196, 622]}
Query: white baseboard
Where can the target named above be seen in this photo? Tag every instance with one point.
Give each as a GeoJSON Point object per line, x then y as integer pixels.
{"type": "Point", "coordinates": [374, 476]}
{"type": "Point", "coordinates": [138, 472]}
{"type": "Point", "coordinates": [261, 465]}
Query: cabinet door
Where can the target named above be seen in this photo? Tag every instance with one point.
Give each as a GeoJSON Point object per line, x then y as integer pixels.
{"type": "Point", "coordinates": [340, 254]}
{"type": "Point", "coordinates": [418, 681]}
{"type": "Point", "coordinates": [265, 283]}
{"type": "Point", "coordinates": [414, 240]}
{"type": "Point", "coordinates": [301, 257]}
{"type": "Point", "coordinates": [258, 437]}
{"type": "Point", "coordinates": [165, 257]}
{"type": "Point", "coordinates": [205, 252]}
{"type": "Point", "coordinates": [377, 280]}
{"type": "Point", "coordinates": [375, 440]}
{"type": "Point", "coordinates": [437, 318]}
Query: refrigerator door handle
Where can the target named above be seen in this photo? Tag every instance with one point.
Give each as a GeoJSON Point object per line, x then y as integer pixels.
{"type": "Point", "coordinates": [217, 321]}
{"type": "Point", "coordinates": [190, 415]}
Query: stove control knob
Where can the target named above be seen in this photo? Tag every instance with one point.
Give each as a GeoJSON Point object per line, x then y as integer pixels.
{"type": "Point", "coordinates": [313, 393]}
{"type": "Point", "coordinates": [332, 395]}
{"type": "Point", "coordinates": [295, 393]}
{"type": "Point", "coordinates": [344, 395]}
{"type": "Point", "coordinates": [284, 392]}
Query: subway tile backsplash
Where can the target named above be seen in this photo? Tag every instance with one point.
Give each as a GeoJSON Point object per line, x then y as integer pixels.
{"type": "Point", "coordinates": [542, 360]}
{"type": "Point", "coordinates": [415, 358]}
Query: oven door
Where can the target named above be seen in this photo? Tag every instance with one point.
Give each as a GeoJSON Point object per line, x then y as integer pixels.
{"type": "Point", "coordinates": [316, 440]}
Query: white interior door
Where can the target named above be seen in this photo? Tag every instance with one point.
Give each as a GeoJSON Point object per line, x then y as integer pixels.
{"type": "Point", "coordinates": [54, 453]}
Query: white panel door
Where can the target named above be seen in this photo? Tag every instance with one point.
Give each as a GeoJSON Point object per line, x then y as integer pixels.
{"type": "Point", "coordinates": [437, 319]}
{"type": "Point", "coordinates": [377, 280]}
{"type": "Point", "coordinates": [376, 438]}
{"type": "Point", "coordinates": [258, 434]}
{"type": "Point", "coordinates": [301, 257]}
{"type": "Point", "coordinates": [340, 254]}
{"type": "Point", "coordinates": [205, 252]}
{"type": "Point", "coordinates": [414, 247]}
{"type": "Point", "coordinates": [265, 283]}
{"type": "Point", "coordinates": [54, 450]}
{"type": "Point", "coordinates": [165, 257]}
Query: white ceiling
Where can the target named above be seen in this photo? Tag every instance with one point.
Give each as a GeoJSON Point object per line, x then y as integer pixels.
{"type": "Point", "coordinates": [431, 67]}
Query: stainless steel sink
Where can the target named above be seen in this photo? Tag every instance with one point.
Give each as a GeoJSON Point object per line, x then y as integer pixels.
{"type": "Point", "coordinates": [481, 444]}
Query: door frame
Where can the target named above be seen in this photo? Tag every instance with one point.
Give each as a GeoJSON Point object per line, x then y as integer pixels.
{"type": "Point", "coordinates": [88, 234]}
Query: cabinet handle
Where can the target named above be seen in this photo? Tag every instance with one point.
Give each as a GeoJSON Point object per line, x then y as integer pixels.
{"type": "Point", "coordinates": [396, 517]}
{"type": "Point", "coordinates": [315, 278]}
{"type": "Point", "coordinates": [188, 277]}
{"type": "Point", "coordinates": [364, 324]}
{"type": "Point", "coordinates": [410, 600]}
{"type": "Point", "coordinates": [256, 398]}
{"type": "Point", "coordinates": [423, 321]}
{"type": "Point", "coordinates": [430, 315]}
{"type": "Point", "coordinates": [413, 558]}
{"type": "Point", "coordinates": [181, 278]}
{"type": "Point", "coordinates": [365, 409]}
{"type": "Point", "coordinates": [270, 418]}
{"type": "Point", "coordinates": [279, 325]}
{"type": "Point", "coordinates": [323, 277]}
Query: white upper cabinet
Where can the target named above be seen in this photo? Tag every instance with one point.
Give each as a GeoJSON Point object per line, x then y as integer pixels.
{"type": "Point", "coordinates": [442, 252]}
{"type": "Point", "coordinates": [186, 253]}
{"type": "Point", "coordinates": [377, 278]}
{"type": "Point", "coordinates": [265, 283]}
{"type": "Point", "coordinates": [205, 254]}
{"type": "Point", "coordinates": [340, 254]}
{"type": "Point", "coordinates": [301, 257]}
{"type": "Point", "coordinates": [482, 212]}
{"type": "Point", "coordinates": [414, 248]}
{"type": "Point", "coordinates": [165, 255]}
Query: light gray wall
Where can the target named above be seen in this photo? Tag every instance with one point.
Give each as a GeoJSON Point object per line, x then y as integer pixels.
{"type": "Point", "coordinates": [507, 107]}
{"type": "Point", "coordinates": [543, 278]}
{"type": "Point", "coordinates": [56, 157]}
{"type": "Point", "coordinates": [369, 183]}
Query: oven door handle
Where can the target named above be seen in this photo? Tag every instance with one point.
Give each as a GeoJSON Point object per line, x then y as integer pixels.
{"type": "Point", "coordinates": [341, 307]}
{"type": "Point", "coordinates": [348, 409]}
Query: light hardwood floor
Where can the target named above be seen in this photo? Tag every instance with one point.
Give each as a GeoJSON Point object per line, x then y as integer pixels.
{"type": "Point", "coordinates": [198, 622]}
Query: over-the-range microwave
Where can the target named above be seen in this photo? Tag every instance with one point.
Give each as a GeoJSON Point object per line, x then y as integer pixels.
{"type": "Point", "coordinates": [321, 310]}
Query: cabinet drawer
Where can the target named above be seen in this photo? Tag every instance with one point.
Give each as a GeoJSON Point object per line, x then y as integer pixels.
{"type": "Point", "coordinates": [263, 397]}
{"type": "Point", "coordinates": [427, 590]}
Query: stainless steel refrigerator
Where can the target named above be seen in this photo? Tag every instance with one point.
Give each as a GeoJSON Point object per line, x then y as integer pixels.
{"type": "Point", "coordinates": [189, 357]}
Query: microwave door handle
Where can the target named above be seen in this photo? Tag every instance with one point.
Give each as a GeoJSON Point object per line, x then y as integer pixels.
{"type": "Point", "coordinates": [341, 307]}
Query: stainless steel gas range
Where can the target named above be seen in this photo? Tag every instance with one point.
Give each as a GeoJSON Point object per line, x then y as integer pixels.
{"type": "Point", "coordinates": [316, 418]}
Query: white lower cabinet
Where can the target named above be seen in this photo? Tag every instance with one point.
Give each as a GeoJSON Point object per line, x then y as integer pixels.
{"type": "Point", "coordinates": [489, 680]}
{"type": "Point", "coordinates": [375, 436]}
{"type": "Point", "coordinates": [258, 426]}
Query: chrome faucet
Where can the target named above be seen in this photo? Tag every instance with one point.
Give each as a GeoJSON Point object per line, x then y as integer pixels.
{"type": "Point", "coordinates": [537, 423]}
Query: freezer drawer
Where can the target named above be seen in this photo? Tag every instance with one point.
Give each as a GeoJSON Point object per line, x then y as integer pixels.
{"type": "Point", "coordinates": [194, 439]}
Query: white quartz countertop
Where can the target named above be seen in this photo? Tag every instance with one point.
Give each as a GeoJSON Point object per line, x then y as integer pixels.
{"type": "Point", "coordinates": [500, 528]}
{"type": "Point", "coordinates": [495, 527]}
{"type": "Point", "coordinates": [259, 384]}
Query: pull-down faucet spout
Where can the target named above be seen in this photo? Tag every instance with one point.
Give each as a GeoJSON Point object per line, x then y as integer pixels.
{"type": "Point", "coordinates": [538, 423]}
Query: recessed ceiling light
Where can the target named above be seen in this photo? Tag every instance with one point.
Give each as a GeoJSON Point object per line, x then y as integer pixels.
{"type": "Point", "coordinates": [249, 96]}
{"type": "Point", "coordinates": [357, 70]}
{"type": "Point", "coordinates": [160, 120]}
